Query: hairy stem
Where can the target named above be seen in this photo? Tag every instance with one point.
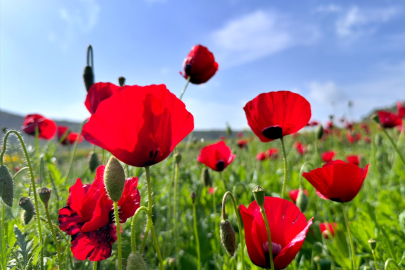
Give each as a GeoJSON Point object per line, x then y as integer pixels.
{"type": "Point", "coordinates": [285, 169]}
{"type": "Point", "coordinates": [196, 238]}
{"type": "Point", "coordinates": [350, 237]}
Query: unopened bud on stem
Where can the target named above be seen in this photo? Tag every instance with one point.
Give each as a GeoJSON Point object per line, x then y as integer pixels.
{"type": "Point", "coordinates": [177, 158]}
{"type": "Point", "coordinates": [114, 179]}
{"type": "Point", "coordinates": [205, 175]}
{"type": "Point", "coordinates": [44, 195]}
{"type": "Point", "coordinates": [136, 262]}
{"type": "Point", "coordinates": [319, 132]}
{"type": "Point", "coordinates": [302, 200]}
{"type": "Point", "coordinates": [227, 234]}
{"type": "Point", "coordinates": [121, 81]}
{"type": "Point", "coordinates": [26, 204]}
{"type": "Point", "coordinates": [193, 196]}
{"type": "Point", "coordinates": [93, 162]}
{"type": "Point", "coordinates": [6, 186]}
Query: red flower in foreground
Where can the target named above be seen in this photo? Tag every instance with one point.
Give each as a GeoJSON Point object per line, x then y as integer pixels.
{"type": "Point", "coordinates": [217, 156]}
{"type": "Point", "coordinates": [277, 114]}
{"type": "Point", "coordinates": [327, 227]}
{"type": "Point", "coordinates": [288, 227]}
{"type": "Point", "coordinates": [272, 153]}
{"type": "Point", "coordinates": [300, 148]}
{"type": "Point", "coordinates": [389, 120]}
{"type": "Point", "coordinates": [65, 137]}
{"type": "Point", "coordinates": [328, 156]}
{"type": "Point", "coordinates": [46, 127]}
{"type": "Point", "coordinates": [242, 143]}
{"type": "Point", "coordinates": [199, 64]}
{"type": "Point", "coordinates": [337, 180]}
{"type": "Point", "coordinates": [294, 194]}
{"type": "Point", "coordinates": [88, 216]}
{"type": "Point", "coordinates": [401, 110]}
{"type": "Point", "coordinates": [139, 125]}
{"type": "Point", "coordinates": [261, 156]}
{"type": "Point", "coordinates": [99, 92]}
{"type": "Point", "coordinates": [353, 159]}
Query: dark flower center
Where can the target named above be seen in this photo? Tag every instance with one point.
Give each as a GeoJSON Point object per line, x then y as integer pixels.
{"type": "Point", "coordinates": [152, 156]}
{"type": "Point", "coordinates": [187, 69]}
{"type": "Point", "coordinates": [273, 132]}
{"type": "Point", "coordinates": [276, 249]}
{"type": "Point", "coordinates": [220, 165]}
{"type": "Point", "coordinates": [336, 199]}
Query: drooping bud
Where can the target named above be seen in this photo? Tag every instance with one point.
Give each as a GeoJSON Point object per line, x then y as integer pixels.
{"type": "Point", "coordinates": [401, 219]}
{"type": "Point", "coordinates": [88, 77]}
{"type": "Point", "coordinates": [177, 158]}
{"type": "Point", "coordinates": [227, 234]}
{"type": "Point", "coordinates": [193, 196]}
{"type": "Point", "coordinates": [372, 243]}
{"type": "Point", "coordinates": [136, 262]}
{"type": "Point", "coordinates": [6, 186]}
{"type": "Point", "coordinates": [319, 132]}
{"type": "Point", "coordinates": [205, 175]}
{"type": "Point", "coordinates": [258, 193]}
{"type": "Point", "coordinates": [114, 179]}
{"type": "Point", "coordinates": [121, 81]}
{"type": "Point", "coordinates": [93, 162]}
{"type": "Point", "coordinates": [44, 195]}
{"type": "Point", "coordinates": [375, 118]}
{"type": "Point", "coordinates": [302, 200]}
{"type": "Point", "coordinates": [26, 204]}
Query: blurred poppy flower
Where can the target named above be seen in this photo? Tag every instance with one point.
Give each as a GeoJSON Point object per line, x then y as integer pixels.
{"type": "Point", "coordinates": [288, 227]}
{"type": "Point", "coordinates": [312, 123]}
{"type": "Point", "coordinates": [199, 64]}
{"type": "Point", "coordinates": [65, 137]}
{"type": "Point", "coordinates": [300, 148]}
{"type": "Point", "coordinates": [329, 125]}
{"type": "Point", "coordinates": [272, 153]}
{"type": "Point", "coordinates": [274, 115]}
{"type": "Point", "coordinates": [353, 159]}
{"type": "Point", "coordinates": [88, 216]}
{"type": "Point", "coordinates": [328, 156]}
{"type": "Point", "coordinates": [401, 110]}
{"type": "Point", "coordinates": [222, 138]}
{"type": "Point", "coordinates": [99, 92]}
{"type": "Point", "coordinates": [261, 156]}
{"type": "Point", "coordinates": [353, 137]}
{"type": "Point", "coordinates": [211, 190]}
{"type": "Point", "coordinates": [242, 143]}
{"type": "Point", "coordinates": [139, 125]}
{"type": "Point", "coordinates": [388, 119]}
{"type": "Point", "coordinates": [46, 127]}
{"type": "Point", "coordinates": [348, 125]}
{"type": "Point", "coordinates": [367, 139]}
{"type": "Point", "coordinates": [240, 134]}
{"type": "Point", "coordinates": [337, 180]}
{"type": "Point", "coordinates": [294, 194]}
{"type": "Point", "coordinates": [365, 128]}
{"type": "Point", "coordinates": [327, 227]}
{"type": "Point", "coordinates": [217, 156]}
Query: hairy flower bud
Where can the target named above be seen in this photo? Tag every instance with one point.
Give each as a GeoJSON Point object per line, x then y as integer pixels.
{"type": "Point", "coordinates": [227, 234]}
{"type": "Point", "coordinates": [88, 77]}
{"type": "Point", "coordinates": [114, 179]}
{"type": "Point", "coordinates": [93, 162]}
{"type": "Point", "coordinates": [319, 132]}
{"type": "Point", "coordinates": [121, 81]}
{"type": "Point", "coordinates": [26, 204]}
{"type": "Point", "coordinates": [205, 175]}
{"type": "Point", "coordinates": [44, 195]}
{"type": "Point", "coordinates": [302, 200]}
{"type": "Point", "coordinates": [177, 158]}
{"type": "Point", "coordinates": [193, 196]}
{"type": "Point", "coordinates": [6, 186]}
{"type": "Point", "coordinates": [258, 193]}
{"type": "Point", "coordinates": [372, 243]}
{"type": "Point", "coordinates": [136, 262]}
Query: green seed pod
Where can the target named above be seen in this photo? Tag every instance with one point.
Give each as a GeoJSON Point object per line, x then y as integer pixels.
{"type": "Point", "coordinates": [319, 132]}
{"type": "Point", "coordinates": [26, 204]}
{"type": "Point", "coordinates": [227, 234]}
{"type": "Point", "coordinates": [401, 219]}
{"type": "Point", "coordinates": [302, 200]}
{"type": "Point", "coordinates": [44, 195]}
{"type": "Point", "coordinates": [177, 158]}
{"type": "Point", "coordinates": [205, 175]}
{"type": "Point", "coordinates": [258, 193]}
{"type": "Point", "coordinates": [93, 162]}
{"type": "Point", "coordinates": [6, 186]}
{"type": "Point", "coordinates": [372, 243]}
{"type": "Point", "coordinates": [121, 81]}
{"type": "Point", "coordinates": [114, 179]}
{"type": "Point", "coordinates": [193, 196]}
{"type": "Point", "coordinates": [136, 262]}
{"type": "Point", "coordinates": [88, 77]}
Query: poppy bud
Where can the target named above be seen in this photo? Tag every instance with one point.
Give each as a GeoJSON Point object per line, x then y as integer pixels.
{"type": "Point", "coordinates": [227, 234]}
{"type": "Point", "coordinates": [172, 262]}
{"type": "Point", "coordinates": [136, 262]}
{"type": "Point", "coordinates": [319, 132]}
{"type": "Point", "coordinates": [228, 129]}
{"type": "Point", "coordinates": [372, 243]}
{"type": "Point", "coordinates": [193, 196]}
{"type": "Point", "coordinates": [206, 177]}
{"type": "Point", "coordinates": [401, 219]}
{"type": "Point", "coordinates": [375, 118]}
{"type": "Point", "coordinates": [121, 81]}
{"type": "Point", "coordinates": [44, 195]}
{"type": "Point", "coordinates": [258, 193]}
{"type": "Point", "coordinates": [88, 77]}
{"type": "Point", "coordinates": [4, 129]}
{"type": "Point", "coordinates": [114, 179]}
{"type": "Point", "coordinates": [177, 158]}
{"type": "Point", "coordinates": [302, 200]}
{"type": "Point", "coordinates": [378, 140]}
{"type": "Point", "coordinates": [93, 162]}
{"type": "Point", "coordinates": [26, 204]}
{"type": "Point", "coordinates": [6, 186]}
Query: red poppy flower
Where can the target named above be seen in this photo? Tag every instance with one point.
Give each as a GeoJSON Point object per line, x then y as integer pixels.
{"type": "Point", "coordinates": [300, 148]}
{"type": "Point", "coordinates": [353, 159]}
{"type": "Point", "coordinates": [337, 180]}
{"type": "Point", "coordinates": [312, 123]}
{"type": "Point", "coordinates": [199, 64]}
{"type": "Point", "coordinates": [388, 119]}
{"type": "Point", "coordinates": [276, 114]}
{"type": "Point", "coordinates": [88, 216]}
{"type": "Point", "coordinates": [272, 153]}
{"type": "Point", "coordinates": [401, 110]}
{"type": "Point", "coordinates": [46, 127]}
{"type": "Point", "coordinates": [349, 125]}
{"type": "Point", "coordinates": [68, 137]}
{"type": "Point", "coordinates": [242, 143]}
{"type": "Point", "coordinates": [217, 156]}
{"type": "Point", "coordinates": [329, 125]}
{"type": "Point", "coordinates": [240, 134]}
{"type": "Point", "coordinates": [353, 137]}
{"type": "Point", "coordinates": [288, 227]}
{"type": "Point", "coordinates": [99, 92]}
{"type": "Point", "coordinates": [139, 125]}
{"type": "Point", "coordinates": [365, 128]}
{"type": "Point", "coordinates": [367, 139]}
{"type": "Point", "coordinates": [327, 227]}
{"type": "Point", "coordinates": [222, 138]}
{"type": "Point", "coordinates": [211, 190]}
{"type": "Point", "coordinates": [261, 156]}
{"type": "Point", "coordinates": [294, 194]}
{"type": "Point", "coordinates": [328, 156]}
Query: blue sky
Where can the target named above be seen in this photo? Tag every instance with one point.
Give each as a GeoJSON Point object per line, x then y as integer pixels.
{"type": "Point", "coordinates": [328, 51]}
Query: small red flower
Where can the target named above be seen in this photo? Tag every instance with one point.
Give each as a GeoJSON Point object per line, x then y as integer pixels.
{"type": "Point", "coordinates": [353, 159]}
{"type": "Point", "coordinates": [68, 137]}
{"type": "Point", "coordinates": [353, 137]}
{"type": "Point", "coordinates": [261, 156]}
{"type": "Point", "coordinates": [242, 143]}
{"type": "Point", "coordinates": [348, 125]}
{"type": "Point", "coordinates": [288, 227]}
{"type": "Point", "coordinates": [327, 227]}
{"type": "Point", "coordinates": [329, 125]}
{"type": "Point", "coordinates": [300, 148]}
{"type": "Point", "coordinates": [139, 125]}
{"type": "Point", "coordinates": [312, 123]}
{"type": "Point", "coordinates": [294, 194]}
{"type": "Point", "coordinates": [99, 92]}
{"type": "Point", "coordinates": [274, 115]}
{"type": "Point", "coordinates": [388, 119]}
{"type": "Point", "coordinates": [365, 128]}
{"type": "Point", "coordinates": [46, 127]}
{"type": "Point", "coordinates": [211, 190]}
{"type": "Point", "coordinates": [222, 138]}
{"type": "Point", "coordinates": [217, 156]}
{"type": "Point", "coordinates": [328, 156]}
{"type": "Point", "coordinates": [367, 139]}
{"type": "Point", "coordinates": [337, 180]}
{"type": "Point", "coordinates": [401, 110]}
{"type": "Point", "coordinates": [88, 216]}
{"type": "Point", "coordinates": [240, 134]}
{"type": "Point", "coordinates": [199, 64]}
{"type": "Point", "coordinates": [272, 153]}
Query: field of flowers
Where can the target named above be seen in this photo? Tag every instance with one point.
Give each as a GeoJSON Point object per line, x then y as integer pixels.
{"type": "Point", "coordinates": [322, 197]}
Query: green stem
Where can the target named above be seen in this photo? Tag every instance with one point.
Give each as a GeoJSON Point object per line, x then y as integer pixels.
{"type": "Point", "coordinates": [74, 151]}
{"type": "Point", "coordinates": [390, 261]}
{"type": "Point", "coordinates": [268, 236]}
{"type": "Point", "coordinates": [214, 206]}
{"type": "Point", "coordinates": [350, 237]}
{"type": "Point", "coordinates": [185, 87]}
{"type": "Point", "coordinates": [375, 259]}
{"type": "Point", "coordinates": [176, 240]}
{"type": "Point", "coordinates": [394, 145]}
{"type": "Point", "coordinates": [54, 235]}
{"type": "Point", "coordinates": [117, 222]}
{"type": "Point", "coordinates": [285, 168]}
{"type": "Point", "coordinates": [37, 144]}
{"type": "Point", "coordinates": [20, 171]}
{"type": "Point", "coordinates": [235, 207]}
{"type": "Point", "coordinates": [133, 234]}
{"type": "Point", "coordinates": [96, 265]}
{"type": "Point", "coordinates": [196, 238]}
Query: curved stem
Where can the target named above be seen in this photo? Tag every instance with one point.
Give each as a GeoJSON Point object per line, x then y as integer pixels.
{"type": "Point", "coordinates": [185, 87]}
{"type": "Point", "coordinates": [133, 235]}
{"type": "Point", "coordinates": [394, 145]}
{"type": "Point", "coordinates": [228, 193]}
{"type": "Point", "coordinates": [388, 262]}
{"type": "Point", "coordinates": [196, 238]}
{"type": "Point", "coordinates": [285, 168]}
{"type": "Point", "coordinates": [266, 222]}
{"type": "Point", "coordinates": [117, 224]}
{"type": "Point", "coordinates": [176, 240]}
{"type": "Point", "coordinates": [74, 150]}
{"type": "Point", "coordinates": [20, 171]}
{"type": "Point", "coordinates": [350, 237]}
{"type": "Point", "coordinates": [54, 235]}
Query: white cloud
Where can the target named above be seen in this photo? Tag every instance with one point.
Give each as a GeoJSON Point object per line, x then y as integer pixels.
{"type": "Point", "coordinates": [326, 92]}
{"type": "Point", "coordinates": [329, 8]}
{"type": "Point", "coordinates": [260, 34]}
